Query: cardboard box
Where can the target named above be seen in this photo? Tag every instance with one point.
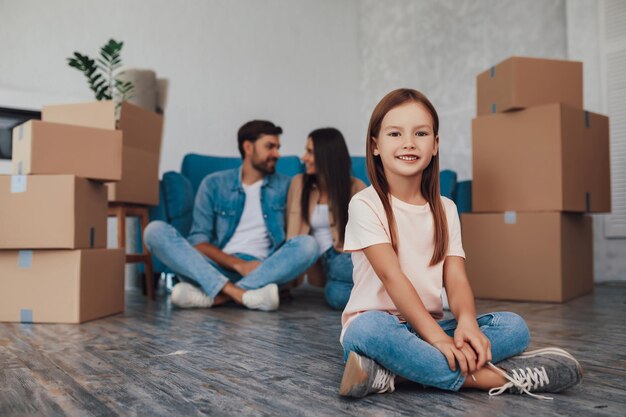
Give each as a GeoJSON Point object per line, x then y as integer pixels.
{"type": "Point", "coordinates": [55, 148]}
{"type": "Point", "coordinates": [546, 158]}
{"type": "Point", "coordinates": [52, 212]}
{"type": "Point", "coordinates": [529, 256]}
{"type": "Point", "coordinates": [142, 131]}
{"type": "Point", "coordinates": [61, 286]}
{"type": "Point", "coordinates": [519, 83]}
{"type": "Point", "coordinates": [139, 170]}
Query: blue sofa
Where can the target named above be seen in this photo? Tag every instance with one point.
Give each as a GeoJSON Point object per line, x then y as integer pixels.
{"type": "Point", "coordinates": [177, 190]}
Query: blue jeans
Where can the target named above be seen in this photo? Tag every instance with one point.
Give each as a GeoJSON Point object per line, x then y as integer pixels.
{"type": "Point", "coordinates": [381, 336]}
{"type": "Point", "coordinates": [292, 259]}
{"type": "Point", "coordinates": [337, 267]}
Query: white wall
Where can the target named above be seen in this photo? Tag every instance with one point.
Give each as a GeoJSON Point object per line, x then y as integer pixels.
{"type": "Point", "coordinates": [438, 47]}
{"type": "Point", "coordinates": [293, 62]}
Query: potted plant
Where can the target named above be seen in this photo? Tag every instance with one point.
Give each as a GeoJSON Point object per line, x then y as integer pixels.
{"type": "Point", "coordinates": [103, 74]}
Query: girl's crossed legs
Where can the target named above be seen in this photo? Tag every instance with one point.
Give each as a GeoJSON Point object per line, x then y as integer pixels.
{"type": "Point", "coordinates": [395, 346]}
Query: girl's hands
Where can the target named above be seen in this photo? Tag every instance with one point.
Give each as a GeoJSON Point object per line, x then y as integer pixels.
{"type": "Point", "coordinates": [470, 348]}
{"type": "Point", "coordinates": [464, 356]}
{"type": "Point", "coordinates": [468, 337]}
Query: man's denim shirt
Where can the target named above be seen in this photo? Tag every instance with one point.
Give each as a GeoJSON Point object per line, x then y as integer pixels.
{"type": "Point", "coordinates": [219, 205]}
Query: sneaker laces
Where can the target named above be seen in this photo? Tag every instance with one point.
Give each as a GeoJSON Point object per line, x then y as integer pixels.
{"type": "Point", "coordinates": [524, 380]}
{"type": "Point", "coordinates": [384, 381]}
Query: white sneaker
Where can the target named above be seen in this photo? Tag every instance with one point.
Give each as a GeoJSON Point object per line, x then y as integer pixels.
{"type": "Point", "coordinates": [264, 299]}
{"type": "Point", "coordinates": [185, 295]}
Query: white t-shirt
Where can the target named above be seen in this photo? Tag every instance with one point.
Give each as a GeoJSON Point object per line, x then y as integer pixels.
{"type": "Point", "coordinates": [251, 236]}
{"type": "Point", "coordinates": [367, 226]}
{"type": "Point", "coordinates": [320, 227]}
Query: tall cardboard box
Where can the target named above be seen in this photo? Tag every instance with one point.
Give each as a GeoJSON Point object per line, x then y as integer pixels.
{"type": "Point", "coordinates": [140, 170]}
{"type": "Point", "coordinates": [52, 212]}
{"type": "Point", "coordinates": [528, 256]}
{"type": "Point", "coordinates": [519, 82]}
{"type": "Point", "coordinates": [56, 148]}
{"type": "Point", "coordinates": [546, 158]}
{"type": "Point", "coordinates": [142, 130]}
{"type": "Point", "coordinates": [61, 286]}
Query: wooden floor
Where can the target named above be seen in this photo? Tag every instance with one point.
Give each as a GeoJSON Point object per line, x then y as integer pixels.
{"type": "Point", "coordinates": [157, 360]}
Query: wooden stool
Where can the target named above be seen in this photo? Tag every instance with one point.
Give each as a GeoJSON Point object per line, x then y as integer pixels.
{"type": "Point", "coordinates": [121, 211]}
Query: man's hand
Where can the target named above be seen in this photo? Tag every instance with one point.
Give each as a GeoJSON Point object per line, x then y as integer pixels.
{"type": "Point", "coordinates": [245, 267]}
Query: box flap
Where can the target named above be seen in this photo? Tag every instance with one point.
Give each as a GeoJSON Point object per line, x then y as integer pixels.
{"type": "Point", "coordinates": [100, 114]}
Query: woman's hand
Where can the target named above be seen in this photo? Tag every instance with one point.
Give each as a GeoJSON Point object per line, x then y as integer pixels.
{"type": "Point", "coordinates": [468, 336]}
{"type": "Point", "coordinates": [453, 354]}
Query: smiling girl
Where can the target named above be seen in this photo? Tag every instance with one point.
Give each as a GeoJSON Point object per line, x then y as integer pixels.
{"type": "Point", "coordinates": [405, 240]}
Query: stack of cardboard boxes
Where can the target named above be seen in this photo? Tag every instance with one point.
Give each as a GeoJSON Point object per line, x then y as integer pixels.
{"type": "Point", "coordinates": [54, 265]}
{"type": "Point", "coordinates": [141, 146]}
{"type": "Point", "coordinates": [539, 163]}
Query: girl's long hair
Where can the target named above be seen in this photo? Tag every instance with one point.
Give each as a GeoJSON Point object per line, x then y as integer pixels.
{"type": "Point", "coordinates": [333, 167]}
{"type": "Point", "coordinates": [430, 176]}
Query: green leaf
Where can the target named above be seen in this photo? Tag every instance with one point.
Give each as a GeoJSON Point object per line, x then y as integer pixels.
{"type": "Point", "coordinates": [98, 71]}
{"type": "Point", "coordinates": [98, 87]}
{"type": "Point", "coordinates": [73, 63]}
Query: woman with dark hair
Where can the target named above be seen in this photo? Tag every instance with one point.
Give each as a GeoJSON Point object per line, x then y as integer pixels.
{"type": "Point", "coordinates": [317, 204]}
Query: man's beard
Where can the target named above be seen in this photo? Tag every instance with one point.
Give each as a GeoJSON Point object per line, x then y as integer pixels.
{"type": "Point", "coordinates": [267, 167]}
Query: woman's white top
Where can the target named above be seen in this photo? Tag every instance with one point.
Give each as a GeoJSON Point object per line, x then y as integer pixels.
{"type": "Point", "coordinates": [320, 227]}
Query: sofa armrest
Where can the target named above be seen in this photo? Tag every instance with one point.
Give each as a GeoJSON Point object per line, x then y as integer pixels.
{"type": "Point", "coordinates": [464, 196]}
{"type": "Point", "coordinates": [178, 196]}
{"type": "Point", "coordinates": [447, 184]}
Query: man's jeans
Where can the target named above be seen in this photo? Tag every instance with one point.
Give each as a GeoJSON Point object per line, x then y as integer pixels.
{"type": "Point", "coordinates": [338, 270]}
{"type": "Point", "coordinates": [381, 336]}
{"type": "Point", "coordinates": [292, 259]}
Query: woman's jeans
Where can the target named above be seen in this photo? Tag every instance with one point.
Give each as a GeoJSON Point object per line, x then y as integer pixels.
{"type": "Point", "coordinates": [337, 267]}
{"type": "Point", "coordinates": [395, 346]}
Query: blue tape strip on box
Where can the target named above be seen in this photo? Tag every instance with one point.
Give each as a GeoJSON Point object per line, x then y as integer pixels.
{"type": "Point", "coordinates": [586, 119]}
{"type": "Point", "coordinates": [510, 217]}
{"type": "Point", "coordinates": [493, 71]}
{"type": "Point", "coordinates": [25, 259]}
{"type": "Point", "coordinates": [26, 315]}
{"type": "Point", "coordinates": [18, 184]}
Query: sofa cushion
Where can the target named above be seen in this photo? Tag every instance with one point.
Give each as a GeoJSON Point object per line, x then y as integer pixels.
{"type": "Point", "coordinates": [289, 165]}
{"type": "Point", "coordinates": [195, 167]}
{"type": "Point", "coordinates": [178, 198]}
